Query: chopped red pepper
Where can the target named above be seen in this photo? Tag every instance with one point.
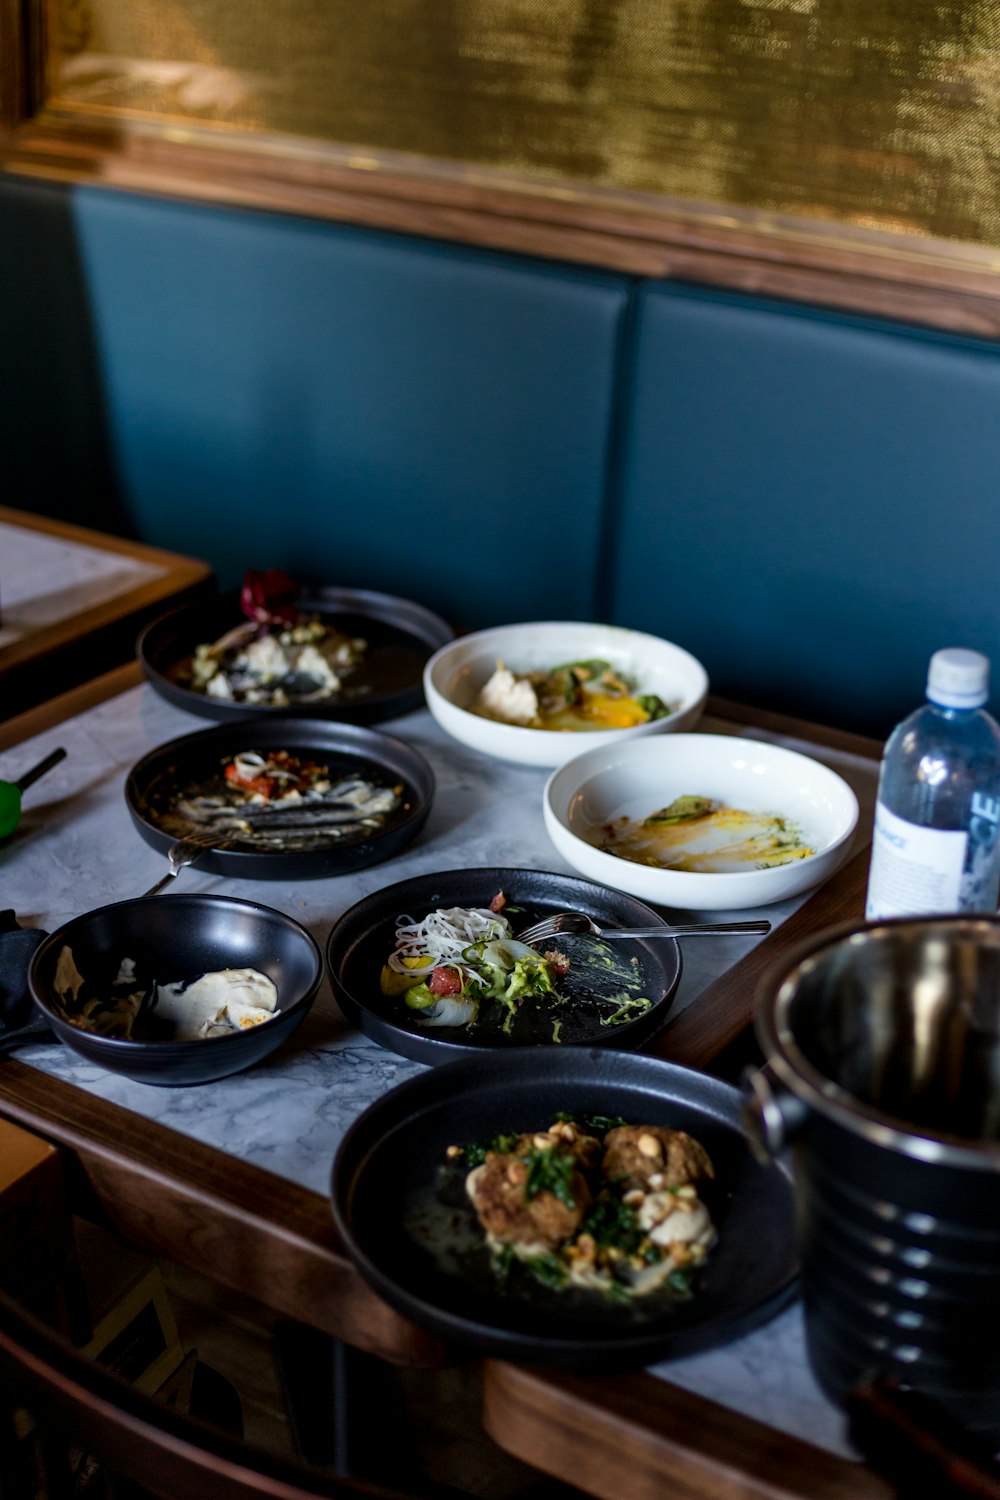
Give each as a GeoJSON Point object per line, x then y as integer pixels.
{"type": "Point", "coordinates": [264, 786]}
{"type": "Point", "coordinates": [499, 902]}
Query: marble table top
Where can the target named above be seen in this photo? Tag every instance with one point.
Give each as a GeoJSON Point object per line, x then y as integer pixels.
{"type": "Point", "coordinates": [76, 849]}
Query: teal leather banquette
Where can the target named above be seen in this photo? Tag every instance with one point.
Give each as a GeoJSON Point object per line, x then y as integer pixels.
{"type": "Point", "coordinates": [805, 500]}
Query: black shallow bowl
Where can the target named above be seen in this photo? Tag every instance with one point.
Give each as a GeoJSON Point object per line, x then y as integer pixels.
{"type": "Point", "coordinates": [158, 778]}
{"type": "Point", "coordinates": [401, 637]}
{"type": "Point", "coordinates": [390, 1158]}
{"type": "Point", "coordinates": [366, 934]}
{"type": "Point", "coordinates": [180, 937]}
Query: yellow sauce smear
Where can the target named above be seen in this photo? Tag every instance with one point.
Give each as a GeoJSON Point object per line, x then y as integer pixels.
{"type": "Point", "coordinates": [697, 834]}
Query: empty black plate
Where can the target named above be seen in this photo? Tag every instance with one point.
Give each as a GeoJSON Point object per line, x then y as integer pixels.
{"type": "Point", "coordinates": [388, 1170]}
{"type": "Point", "coordinates": [156, 781]}
{"type": "Point", "coordinates": [364, 937]}
{"type": "Point", "coordinates": [401, 636]}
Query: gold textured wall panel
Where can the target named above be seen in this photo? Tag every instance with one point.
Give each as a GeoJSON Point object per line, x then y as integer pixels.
{"type": "Point", "coordinates": [878, 113]}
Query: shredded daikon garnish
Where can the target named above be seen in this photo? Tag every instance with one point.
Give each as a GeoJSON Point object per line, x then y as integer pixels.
{"type": "Point", "coordinates": [443, 937]}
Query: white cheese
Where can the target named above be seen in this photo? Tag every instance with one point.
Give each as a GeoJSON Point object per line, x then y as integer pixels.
{"type": "Point", "coordinates": [668, 1223]}
{"type": "Point", "coordinates": [218, 686]}
{"type": "Point", "coordinates": [312, 663]}
{"type": "Point", "coordinates": [264, 658]}
{"type": "Point", "coordinates": [508, 699]}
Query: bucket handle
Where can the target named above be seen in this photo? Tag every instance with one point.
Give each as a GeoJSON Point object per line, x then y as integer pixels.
{"type": "Point", "coordinates": [770, 1115]}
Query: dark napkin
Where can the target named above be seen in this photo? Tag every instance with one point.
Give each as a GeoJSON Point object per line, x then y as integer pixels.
{"type": "Point", "coordinates": [19, 1021]}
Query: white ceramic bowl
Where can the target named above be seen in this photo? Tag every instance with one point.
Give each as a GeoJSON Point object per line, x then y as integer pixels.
{"type": "Point", "coordinates": [632, 780]}
{"type": "Point", "coordinates": [455, 674]}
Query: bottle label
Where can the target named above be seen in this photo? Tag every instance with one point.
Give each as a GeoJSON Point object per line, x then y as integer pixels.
{"type": "Point", "coordinates": [915, 871]}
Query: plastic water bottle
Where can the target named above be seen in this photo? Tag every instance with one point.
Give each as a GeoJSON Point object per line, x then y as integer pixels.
{"type": "Point", "coordinates": [935, 847]}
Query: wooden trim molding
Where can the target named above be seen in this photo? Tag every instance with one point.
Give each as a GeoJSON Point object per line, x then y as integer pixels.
{"type": "Point", "coordinates": [937, 283]}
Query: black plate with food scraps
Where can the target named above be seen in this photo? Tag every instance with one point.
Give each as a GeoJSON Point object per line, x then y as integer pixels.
{"type": "Point", "coordinates": [600, 972]}
{"type": "Point", "coordinates": [401, 636]}
{"type": "Point", "coordinates": [398, 1216]}
{"type": "Point", "coordinates": [196, 761]}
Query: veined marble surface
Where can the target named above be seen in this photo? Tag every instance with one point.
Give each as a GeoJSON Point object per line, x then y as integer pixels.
{"type": "Point", "coordinates": [45, 579]}
{"type": "Point", "coordinates": [76, 849]}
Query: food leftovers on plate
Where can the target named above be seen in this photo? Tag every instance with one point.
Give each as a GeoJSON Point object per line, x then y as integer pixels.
{"type": "Point", "coordinates": [184, 1010]}
{"type": "Point", "coordinates": [463, 966]}
{"type": "Point", "coordinates": [279, 801]}
{"type": "Point", "coordinates": [699, 834]}
{"type": "Point", "coordinates": [276, 658]}
{"type": "Point", "coordinates": [591, 1204]}
{"type": "Point", "coordinates": [584, 695]}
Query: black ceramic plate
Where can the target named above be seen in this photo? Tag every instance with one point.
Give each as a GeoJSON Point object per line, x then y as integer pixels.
{"type": "Point", "coordinates": [179, 938]}
{"type": "Point", "coordinates": [401, 637]}
{"type": "Point", "coordinates": [388, 1170]}
{"type": "Point", "coordinates": [365, 936]}
{"type": "Point", "coordinates": [156, 781]}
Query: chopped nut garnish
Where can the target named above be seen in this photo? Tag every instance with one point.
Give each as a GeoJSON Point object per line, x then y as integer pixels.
{"type": "Point", "coordinates": [650, 1147]}
{"type": "Point", "coordinates": [543, 1143]}
{"type": "Point", "coordinates": [656, 1181]}
{"type": "Point", "coordinates": [452, 1152]}
{"type": "Point", "coordinates": [633, 1198]}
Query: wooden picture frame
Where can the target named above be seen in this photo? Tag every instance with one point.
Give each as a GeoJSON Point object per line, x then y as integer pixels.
{"type": "Point", "coordinates": [942, 283]}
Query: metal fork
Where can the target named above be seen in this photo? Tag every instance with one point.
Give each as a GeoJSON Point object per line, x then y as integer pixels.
{"type": "Point", "coordinates": [185, 852]}
{"type": "Point", "coordinates": [563, 923]}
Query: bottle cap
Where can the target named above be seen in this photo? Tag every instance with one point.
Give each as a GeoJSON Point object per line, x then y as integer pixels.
{"type": "Point", "coordinates": [958, 679]}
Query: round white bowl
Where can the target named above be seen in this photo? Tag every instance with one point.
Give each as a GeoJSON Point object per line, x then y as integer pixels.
{"type": "Point", "coordinates": [455, 674]}
{"type": "Point", "coordinates": [632, 780]}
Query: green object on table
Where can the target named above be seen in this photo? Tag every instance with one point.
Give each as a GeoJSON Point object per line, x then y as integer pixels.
{"type": "Point", "coordinates": [10, 792]}
{"type": "Point", "coordinates": [10, 807]}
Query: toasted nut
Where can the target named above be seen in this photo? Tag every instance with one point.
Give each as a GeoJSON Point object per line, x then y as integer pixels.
{"type": "Point", "coordinates": [453, 1151]}
{"type": "Point", "coordinates": [634, 1197]}
{"type": "Point", "coordinates": [656, 1181]}
{"type": "Point", "coordinates": [543, 1142]}
{"type": "Point", "coordinates": [517, 1172]}
{"type": "Point", "coordinates": [649, 1146]}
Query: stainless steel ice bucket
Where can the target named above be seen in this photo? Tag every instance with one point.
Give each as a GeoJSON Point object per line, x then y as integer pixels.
{"type": "Point", "coordinates": [882, 1073]}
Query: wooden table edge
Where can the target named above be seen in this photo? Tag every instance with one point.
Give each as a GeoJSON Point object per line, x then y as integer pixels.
{"type": "Point", "coordinates": [180, 578]}
{"type": "Point", "coordinates": [635, 1437]}
{"type": "Point", "coordinates": [67, 705]}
